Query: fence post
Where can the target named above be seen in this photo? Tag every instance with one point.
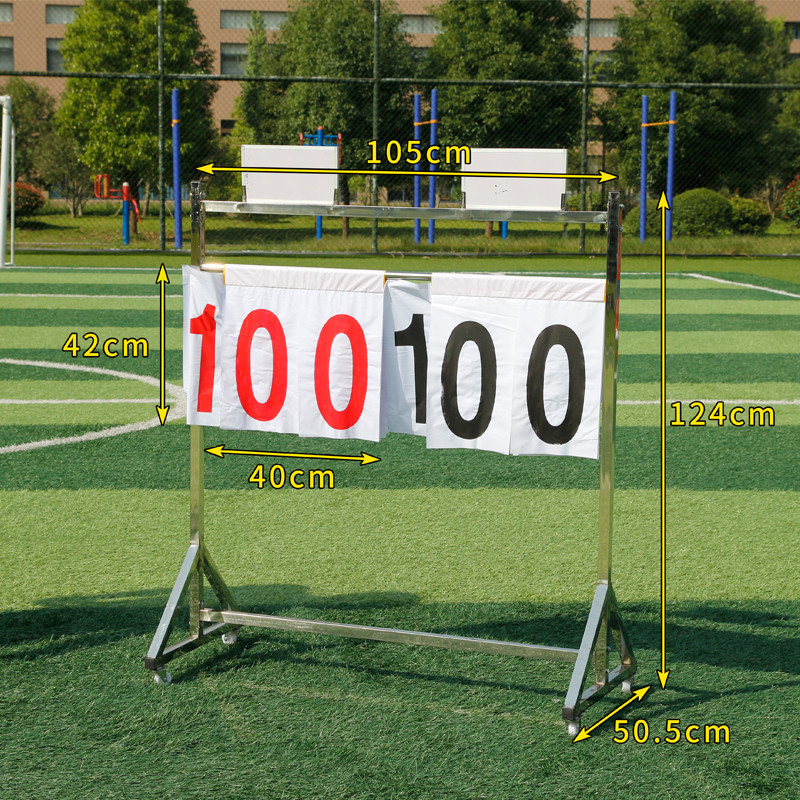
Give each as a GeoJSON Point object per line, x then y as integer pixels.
{"type": "Point", "coordinates": [176, 167]}
{"type": "Point", "coordinates": [162, 222]}
{"type": "Point", "coordinates": [643, 170]}
{"type": "Point", "coordinates": [673, 116]}
{"type": "Point", "coordinates": [587, 16]}
{"type": "Point", "coordinates": [376, 49]}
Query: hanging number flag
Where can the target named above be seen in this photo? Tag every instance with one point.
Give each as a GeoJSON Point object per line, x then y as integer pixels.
{"type": "Point", "coordinates": [492, 362]}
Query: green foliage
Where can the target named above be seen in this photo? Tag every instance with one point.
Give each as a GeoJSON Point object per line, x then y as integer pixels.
{"type": "Point", "coordinates": [725, 136]}
{"type": "Point", "coordinates": [33, 110]}
{"type": "Point", "coordinates": [115, 121]}
{"type": "Point", "coordinates": [60, 163]}
{"type": "Point", "coordinates": [790, 204]}
{"type": "Point", "coordinates": [701, 212]}
{"type": "Point", "coordinates": [27, 199]}
{"type": "Point", "coordinates": [257, 107]}
{"type": "Point", "coordinates": [630, 222]}
{"type": "Point", "coordinates": [749, 216]}
{"type": "Point", "coordinates": [507, 39]}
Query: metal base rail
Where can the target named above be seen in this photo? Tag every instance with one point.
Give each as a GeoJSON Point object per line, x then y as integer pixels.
{"type": "Point", "coordinates": [604, 624]}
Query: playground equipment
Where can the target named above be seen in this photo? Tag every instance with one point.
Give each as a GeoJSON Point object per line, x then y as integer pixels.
{"type": "Point", "coordinates": [211, 286]}
{"type": "Point", "coordinates": [103, 191]}
{"type": "Point", "coordinates": [673, 123]}
{"type": "Point", "coordinates": [433, 122]}
{"type": "Point", "coordinates": [322, 139]}
{"type": "Point", "coordinates": [6, 167]}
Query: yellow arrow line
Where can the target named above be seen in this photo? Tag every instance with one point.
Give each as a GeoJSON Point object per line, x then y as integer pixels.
{"type": "Point", "coordinates": [663, 674]}
{"type": "Point", "coordinates": [601, 176]}
{"type": "Point", "coordinates": [162, 279]}
{"type": "Point", "coordinates": [637, 695]}
{"type": "Point", "coordinates": [222, 451]}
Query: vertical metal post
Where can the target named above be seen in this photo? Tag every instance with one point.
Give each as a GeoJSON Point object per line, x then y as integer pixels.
{"type": "Point", "coordinates": [320, 142]}
{"type": "Point", "coordinates": [608, 422]}
{"type": "Point", "coordinates": [432, 167]}
{"type": "Point", "coordinates": [643, 170]}
{"type": "Point", "coordinates": [376, 51]}
{"type": "Point", "coordinates": [162, 222]}
{"type": "Point", "coordinates": [673, 124]}
{"type": "Point", "coordinates": [176, 167]}
{"type": "Point", "coordinates": [587, 16]}
{"type": "Point", "coordinates": [417, 179]}
{"type": "Point", "coordinates": [197, 451]}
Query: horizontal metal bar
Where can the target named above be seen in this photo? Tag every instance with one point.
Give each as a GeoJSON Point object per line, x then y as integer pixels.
{"type": "Point", "coordinates": [184, 646]}
{"type": "Point", "coordinates": [509, 83]}
{"type": "Point", "coordinates": [406, 212]}
{"type": "Point", "coordinates": [391, 635]}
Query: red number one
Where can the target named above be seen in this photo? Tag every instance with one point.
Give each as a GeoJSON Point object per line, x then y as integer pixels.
{"type": "Point", "coordinates": [206, 326]}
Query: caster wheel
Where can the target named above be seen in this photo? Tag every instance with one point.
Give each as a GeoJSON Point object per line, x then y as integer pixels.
{"type": "Point", "coordinates": [627, 687]}
{"type": "Point", "coordinates": [229, 638]}
{"type": "Point", "coordinates": [573, 728]}
{"type": "Point", "coordinates": [162, 678]}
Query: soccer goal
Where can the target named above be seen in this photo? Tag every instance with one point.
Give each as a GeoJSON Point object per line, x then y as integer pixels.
{"type": "Point", "coordinates": [7, 178]}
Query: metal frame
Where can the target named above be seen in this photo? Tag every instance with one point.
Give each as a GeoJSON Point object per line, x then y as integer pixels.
{"type": "Point", "coordinates": [604, 623]}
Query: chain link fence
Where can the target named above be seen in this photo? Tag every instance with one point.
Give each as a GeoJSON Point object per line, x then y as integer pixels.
{"type": "Point", "coordinates": [505, 74]}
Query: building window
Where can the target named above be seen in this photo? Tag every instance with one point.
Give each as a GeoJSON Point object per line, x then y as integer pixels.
{"type": "Point", "coordinates": [55, 61]}
{"type": "Point", "coordinates": [420, 23]}
{"type": "Point", "coordinates": [226, 126]}
{"type": "Point", "coordinates": [60, 15]}
{"type": "Point", "coordinates": [241, 19]}
{"type": "Point", "coordinates": [6, 12]}
{"type": "Point", "coordinates": [6, 52]}
{"type": "Point", "coordinates": [793, 29]}
{"type": "Point", "coordinates": [233, 58]}
{"type": "Point", "coordinates": [604, 28]}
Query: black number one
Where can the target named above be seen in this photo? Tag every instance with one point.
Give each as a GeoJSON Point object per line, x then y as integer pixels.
{"type": "Point", "coordinates": [469, 332]}
{"type": "Point", "coordinates": [414, 336]}
{"type": "Point", "coordinates": [545, 341]}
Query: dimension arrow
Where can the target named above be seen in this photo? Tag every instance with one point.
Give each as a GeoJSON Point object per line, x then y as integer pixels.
{"type": "Point", "coordinates": [600, 177]}
{"type": "Point", "coordinates": [663, 673]}
{"type": "Point", "coordinates": [586, 733]}
{"type": "Point", "coordinates": [162, 408]}
{"type": "Point", "coordinates": [221, 451]}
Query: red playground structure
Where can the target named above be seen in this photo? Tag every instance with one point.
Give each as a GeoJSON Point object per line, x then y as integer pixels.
{"type": "Point", "coordinates": [103, 191]}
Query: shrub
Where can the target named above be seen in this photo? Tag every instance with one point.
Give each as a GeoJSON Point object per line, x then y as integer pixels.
{"type": "Point", "coordinates": [27, 199]}
{"type": "Point", "coordinates": [790, 203]}
{"type": "Point", "coordinates": [749, 216]}
{"type": "Point", "coordinates": [630, 222]}
{"type": "Point", "coordinates": [701, 212]}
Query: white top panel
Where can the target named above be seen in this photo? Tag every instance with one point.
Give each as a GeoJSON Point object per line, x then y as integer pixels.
{"type": "Point", "coordinates": [519, 287]}
{"type": "Point", "coordinates": [315, 278]}
{"type": "Point", "coordinates": [265, 187]}
{"type": "Point", "coordinates": [538, 194]}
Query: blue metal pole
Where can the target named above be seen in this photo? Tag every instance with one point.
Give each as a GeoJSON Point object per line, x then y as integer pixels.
{"type": "Point", "coordinates": [126, 211]}
{"type": "Point", "coordinates": [643, 183]}
{"type": "Point", "coordinates": [673, 116]}
{"type": "Point", "coordinates": [504, 229]}
{"type": "Point", "coordinates": [320, 142]}
{"type": "Point", "coordinates": [176, 167]}
{"type": "Point", "coordinates": [417, 179]}
{"type": "Point", "coordinates": [432, 184]}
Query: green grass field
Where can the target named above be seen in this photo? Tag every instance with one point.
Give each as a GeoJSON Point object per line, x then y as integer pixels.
{"type": "Point", "coordinates": [472, 543]}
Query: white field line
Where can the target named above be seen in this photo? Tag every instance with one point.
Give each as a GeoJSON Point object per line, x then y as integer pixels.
{"type": "Point", "coordinates": [175, 399]}
{"type": "Point", "coordinates": [13, 402]}
{"type": "Point", "coordinates": [716, 400]}
{"type": "Point", "coordinates": [90, 296]}
{"type": "Point", "coordinates": [700, 276]}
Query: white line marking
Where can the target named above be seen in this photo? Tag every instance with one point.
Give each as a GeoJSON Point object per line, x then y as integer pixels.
{"type": "Point", "coordinates": [14, 402]}
{"type": "Point", "coordinates": [705, 400]}
{"type": "Point", "coordinates": [175, 399]}
{"type": "Point", "coordinates": [737, 283]}
{"type": "Point", "coordinates": [97, 296]}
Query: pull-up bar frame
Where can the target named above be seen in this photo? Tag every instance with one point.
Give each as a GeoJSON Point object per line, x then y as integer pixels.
{"type": "Point", "coordinates": [604, 624]}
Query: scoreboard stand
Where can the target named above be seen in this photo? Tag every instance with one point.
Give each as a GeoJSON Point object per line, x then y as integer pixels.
{"type": "Point", "coordinates": [593, 675]}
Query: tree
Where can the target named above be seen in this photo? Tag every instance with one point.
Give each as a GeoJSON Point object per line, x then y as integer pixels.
{"type": "Point", "coordinates": [334, 38]}
{"type": "Point", "coordinates": [60, 163]}
{"type": "Point", "coordinates": [33, 110]}
{"type": "Point", "coordinates": [507, 40]}
{"type": "Point", "coordinates": [257, 108]}
{"type": "Point", "coordinates": [115, 121]}
{"type": "Point", "coordinates": [725, 135]}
